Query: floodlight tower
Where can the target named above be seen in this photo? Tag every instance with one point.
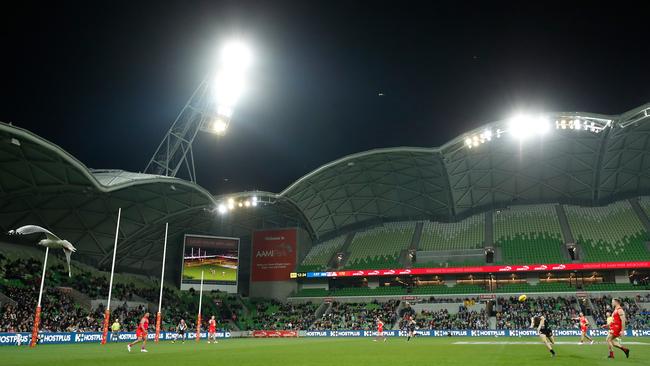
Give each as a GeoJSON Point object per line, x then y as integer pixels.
{"type": "Point", "coordinates": [209, 109]}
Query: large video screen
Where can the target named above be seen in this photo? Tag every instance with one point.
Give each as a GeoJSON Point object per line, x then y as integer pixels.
{"type": "Point", "coordinates": [216, 257]}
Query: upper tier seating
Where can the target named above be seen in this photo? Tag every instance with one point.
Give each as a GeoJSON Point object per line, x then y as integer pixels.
{"type": "Point", "coordinates": [609, 233]}
{"type": "Point", "coordinates": [529, 234]}
{"type": "Point", "coordinates": [380, 247]}
{"type": "Point", "coordinates": [466, 234]}
{"type": "Point", "coordinates": [645, 204]}
{"type": "Point", "coordinates": [318, 257]}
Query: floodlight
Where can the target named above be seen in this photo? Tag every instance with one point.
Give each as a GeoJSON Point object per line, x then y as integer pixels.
{"type": "Point", "coordinates": [487, 134]}
{"type": "Point", "coordinates": [222, 208]}
{"type": "Point", "coordinates": [523, 126]}
{"type": "Point", "coordinates": [519, 126]}
{"type": "Point", "coordinates": [468, 142]}
{"type": "Point", "coordinates": [229, 88]}
{"type": "Point", "coordinates": [235, 55]}
{"type": "Point", "coordinates": [230, 79]}
{"type": "Point", "coordinates": [240, 204]}
{"type": "Point", "coordinates": [247, 203]}
{"type": "Point", "coordinates": [219, 126]}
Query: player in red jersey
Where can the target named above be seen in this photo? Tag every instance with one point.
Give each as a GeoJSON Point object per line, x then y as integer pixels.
{"type": "Point", "coordinates": [380, 330]}
{"type": "Point", "coordinates": [584, 328]}
{"type": "Point", "coordinates": [617, 329]}
{"type": "Point", "coordinates": [212, 330]}
{"type": "Point", "coordinates": [141, 333]}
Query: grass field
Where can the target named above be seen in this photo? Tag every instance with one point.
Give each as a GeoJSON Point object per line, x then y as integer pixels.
{"type": "Point", "coordinates": [331, 351]}
{"type": "Point", "coordinates": [194, 273]}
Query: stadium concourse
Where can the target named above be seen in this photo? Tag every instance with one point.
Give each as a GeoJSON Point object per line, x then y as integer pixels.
{"type": "Point", "coordinates": [450, 236]}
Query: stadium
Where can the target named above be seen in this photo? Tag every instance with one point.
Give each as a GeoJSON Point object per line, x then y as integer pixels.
{"type": "Point", "coordinates": [522, 240]}
{"type": "Point", "coordinates": [450, 234]}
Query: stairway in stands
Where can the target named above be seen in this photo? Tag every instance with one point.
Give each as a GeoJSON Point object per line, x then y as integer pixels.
{"type": "Point", "coordinates": [346, 254]}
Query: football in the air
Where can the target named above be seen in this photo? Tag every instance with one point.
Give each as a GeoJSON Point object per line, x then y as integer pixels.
{"type": "Point", "coordinates": [523, 298]}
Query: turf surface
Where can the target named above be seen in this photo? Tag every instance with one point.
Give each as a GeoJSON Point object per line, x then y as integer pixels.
{"type": "Point", "coordinates": [194, 273]}
{"type": "Point", "coordinates": [330, 351]}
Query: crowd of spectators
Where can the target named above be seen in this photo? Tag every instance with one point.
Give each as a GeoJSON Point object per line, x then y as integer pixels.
{"type": "Point", "coordinates": [20, 281]}
{"type": "Point", "coordinates": [358, 316]}
{"type": "Point", "coordinates": [59, 312]}
{"type": "Point", "coordinates": [637, 317]}
{"type": "Point", "coordinates": [443, 319]}
{"type": "Point", "coordinates": [275, 315]}
{"type": "Point", "coordinates": [559, 312]}
{"type": "Point", "coordinates": [447, 300]}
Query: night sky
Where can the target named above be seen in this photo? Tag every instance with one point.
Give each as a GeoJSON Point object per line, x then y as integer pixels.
{"type": "Point", "coordinates": [105, 81]}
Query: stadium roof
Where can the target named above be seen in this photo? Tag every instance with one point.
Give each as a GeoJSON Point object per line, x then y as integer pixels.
{"type": "Point", "coordinates": [600, 159]}
{"type": "Point", "coordinates": [42, 184]}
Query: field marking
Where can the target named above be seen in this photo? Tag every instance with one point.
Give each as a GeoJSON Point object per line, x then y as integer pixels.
{"type": "Point", "coordinates": [529, 342]}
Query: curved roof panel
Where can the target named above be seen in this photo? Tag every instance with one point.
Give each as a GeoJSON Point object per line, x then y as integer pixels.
{"type": "Point", "coordinates": [584, 159]}
{"type": "Point", "coordinates": [42, 184]}
{"type": "Point", "coordinates": [116, 177]}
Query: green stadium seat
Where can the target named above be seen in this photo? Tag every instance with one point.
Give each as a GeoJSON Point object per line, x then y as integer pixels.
{"type": "Point", "coordinates": [320, 254]}
{"type": "Point", "coordinates": [380, 247]}
{"type": "Point", "coordinates": [610, 233]}
{"type": "Point", "coordinates": [529, 234]}
{"type": "Point", "coordinates": [466, 234]}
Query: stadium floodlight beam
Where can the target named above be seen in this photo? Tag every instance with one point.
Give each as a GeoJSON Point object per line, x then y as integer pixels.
{"type": "Point", "coordinates": [523, 126]}
{"type": "Point", "coordinates": [209, 109]}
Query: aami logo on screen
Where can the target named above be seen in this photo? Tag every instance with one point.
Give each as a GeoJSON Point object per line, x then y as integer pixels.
{"type": "Point", "coordinates": [282, 250]}
{"type": "Point", "coordinates": [273, 255]}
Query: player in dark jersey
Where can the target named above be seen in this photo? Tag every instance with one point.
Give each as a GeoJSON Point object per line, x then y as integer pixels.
{"type": "Point", "coordinates": [544, 331]}
{"type": "Point", "coordinates": [410, 327]}
{"type": "Point", "coordinates": [180, 331]}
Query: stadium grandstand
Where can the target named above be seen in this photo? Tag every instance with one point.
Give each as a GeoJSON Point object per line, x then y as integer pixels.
{"type": "Point", "coordinates": [450, 235]}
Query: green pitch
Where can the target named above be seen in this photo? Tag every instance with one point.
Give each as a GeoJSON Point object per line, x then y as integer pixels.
{"type": "Point", "coordinates": [331, 352]}
{"type": "Point", "coordinates": [220, 273]}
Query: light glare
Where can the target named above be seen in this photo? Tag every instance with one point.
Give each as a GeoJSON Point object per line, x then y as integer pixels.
{"type": "Point", "coordinates": [523, 126]}
{"type": "Point", "coordinates": [222, 208]}
{"type": "Point", "coordinates": [230, 78]}
{"type": "Point", "coordinates": [219, 126]}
